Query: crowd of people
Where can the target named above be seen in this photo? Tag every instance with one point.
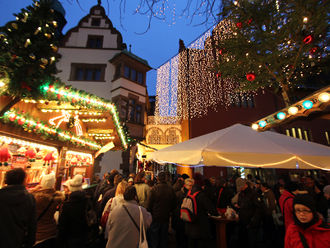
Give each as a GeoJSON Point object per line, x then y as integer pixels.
{"type": "Point", "coordinates": [138, 211]}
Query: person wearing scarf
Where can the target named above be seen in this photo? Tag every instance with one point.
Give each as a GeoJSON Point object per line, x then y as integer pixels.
{"type": "Point", "coordinates": [308, 230]}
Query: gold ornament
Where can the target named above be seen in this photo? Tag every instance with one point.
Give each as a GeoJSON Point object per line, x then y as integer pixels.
{"type": "Point", "coordinates": [44, 61]}
{"type": "Point", "coordinates": [27, 43]}
{"type": "Point", "coordinates": [37, 31]}
{"type": "Point", "coordinates": [48, 35]}
{"type": "Point", "coordinates": [55, 48]}
{"type": "Point", "coordinates": [55, 24]}
{"type": "Point", "coordinates": [43, 67]}
{"type": "Point", "coordinates": [32, 56]}
{"type": "Point", "coordinates": [14, 25]}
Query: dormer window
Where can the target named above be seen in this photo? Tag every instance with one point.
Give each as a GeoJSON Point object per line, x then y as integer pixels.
{"type": "Point", "coordinates": [96, 22]}
{"type": "Point", "coordinates": [95, 41]}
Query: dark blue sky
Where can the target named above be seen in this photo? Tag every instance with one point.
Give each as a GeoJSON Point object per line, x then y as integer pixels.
{"type": "Point", "coordinates": [157, 45]}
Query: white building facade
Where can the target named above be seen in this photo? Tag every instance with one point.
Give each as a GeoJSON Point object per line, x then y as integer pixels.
{"type": "Point", "coordinates": [95, 59]}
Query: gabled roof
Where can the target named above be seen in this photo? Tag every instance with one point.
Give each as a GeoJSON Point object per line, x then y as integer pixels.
{"type": "Point", "coordinates": [131, 55]}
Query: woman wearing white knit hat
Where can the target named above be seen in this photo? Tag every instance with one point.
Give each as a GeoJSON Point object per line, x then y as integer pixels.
{"type": "Point", "coordinates": [47, 200]}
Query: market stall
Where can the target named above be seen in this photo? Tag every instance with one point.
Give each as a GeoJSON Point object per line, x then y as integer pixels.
{"type": "Point", "coordinates": [62, 136]}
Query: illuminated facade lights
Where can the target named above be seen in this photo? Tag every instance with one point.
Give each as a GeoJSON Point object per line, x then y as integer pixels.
{"type": "Point", "coordinates": [293, 110]}
{"type": "Point", "coordinates": [324, 97]}
{"type": "Point", "coordinates": [307, 104]}
{"type": "Point", "coordinates": [281, 115]}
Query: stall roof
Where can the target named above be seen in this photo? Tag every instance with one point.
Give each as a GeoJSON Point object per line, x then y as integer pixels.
{"type": "Point", "coordinates": [319, 101]}
{"type": "Point", "coordinates": [67, 115]}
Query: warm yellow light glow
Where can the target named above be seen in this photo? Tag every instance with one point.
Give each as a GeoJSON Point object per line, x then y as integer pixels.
{"type": "Point", "coordinates": [2, 83]}
{"type": "Point", "coordinates": [270, 164]}
{"type": "Point", "coordinates": [293, 110]}
{"type": "Point", "coordinates": [305, 20]}
{"type": "Point", "coordinates": [255, 126]}
{"type": "Point", "coordinates": [324, 97]}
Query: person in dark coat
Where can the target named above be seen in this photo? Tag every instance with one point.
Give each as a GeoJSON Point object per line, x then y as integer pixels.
{"type": "Point", "coordinates": [161, 203]}
{"type": "Point", "coordinates": [199, 232]}
{"type": "Point", "coordinates": [17, 212]}
{"type": "Point", "coordinates": [308, 227]}
{"type": "Point", "coordinates": [72, 223]}
{"type": "Point", "coordinates": [178, 224]}
{"type": "Point", "coordinates": [250, 212]}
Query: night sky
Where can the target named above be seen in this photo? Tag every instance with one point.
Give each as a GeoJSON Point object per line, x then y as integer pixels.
{"type": "Point", "coordinates": [159, 44]}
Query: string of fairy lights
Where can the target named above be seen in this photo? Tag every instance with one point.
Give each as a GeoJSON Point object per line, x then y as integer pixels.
{"type": "Point", "coordinates": [187, 87]}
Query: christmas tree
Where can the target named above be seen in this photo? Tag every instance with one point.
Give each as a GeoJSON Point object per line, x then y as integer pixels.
{"type": "Point", "coordinates": [28, 51]}
{"type": "Point", "coordinates": [272, 43]}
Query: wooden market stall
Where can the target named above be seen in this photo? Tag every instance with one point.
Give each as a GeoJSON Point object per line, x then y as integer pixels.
{"type": "Point", "coordinates": [61, 133]}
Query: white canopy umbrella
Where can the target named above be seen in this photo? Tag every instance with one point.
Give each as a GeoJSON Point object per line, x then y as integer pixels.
{"type": "Point", "coordinates": [239, 145]}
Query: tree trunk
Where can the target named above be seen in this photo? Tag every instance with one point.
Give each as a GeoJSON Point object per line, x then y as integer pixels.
{"type": "Point", "coordinates": [285, 95]}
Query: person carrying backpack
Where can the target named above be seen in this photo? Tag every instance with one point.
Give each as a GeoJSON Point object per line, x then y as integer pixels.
{"type": "Point", "coordinates": [198, 231]}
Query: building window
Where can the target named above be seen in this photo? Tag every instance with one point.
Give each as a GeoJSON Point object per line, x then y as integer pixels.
{"type": "Point", "coordinates": [87, 72]}
{"type": "Point", "coordinates": [298, 133]}
{"type": "Point", "coordinates": [138, 118]}
{"type": "Point", "coordinates": [126, 71]}
{"type": "Point", "coordinates": [123, 109]}
{"type": "Point", "coordinates": [96, 22]}
{"type": "Point", "coordinates": [131, 111]}
{"type": "Point", "coordinates": [140, 77]}
{"type": "Point", "coordinates": [133, 74]}
{"type": "Point", "coordinates": [95, 41]}
{"type": "Point", "coordinates": [117, 72]}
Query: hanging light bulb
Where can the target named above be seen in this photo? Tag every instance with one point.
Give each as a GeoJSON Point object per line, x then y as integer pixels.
{"type": "Point", "coordinates": [255, 126]}
{"type": "Point", "coordinates": [305, 20]}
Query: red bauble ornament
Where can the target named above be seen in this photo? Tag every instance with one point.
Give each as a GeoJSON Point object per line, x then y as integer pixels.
{"type": "Point", "coordinates": [248, 22]}
{"type": "Point", "coordinates": [239, 25]}
{"type": "Point", "coordinates": [313, 50]}
{"type": "Point", "coordinates": [250, 76]}
{"type": "Point", "coordinates": [218, 74]}
{"type": "Point", "coordinates": [308, 39]}
{"type": "Point", "coordinates": [221, 51]}
{"type": "Point", "coordinates": [21, 121]}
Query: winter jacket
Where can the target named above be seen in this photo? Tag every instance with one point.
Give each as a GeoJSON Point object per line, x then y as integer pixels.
{"type": "Point", "coordinates": [161, 202]}
{"type": "Point", "coordinates": [250, 208]}
{"type": "Point", "coordinates": [143, 191]}
{"type": "Point", "coordinates": [317, 236]}
{"type": "Point", "coordinates": [46, 225]}
{"type": "Point", "coordinates": [17, 217]}
{"type": "Point", "coordinates": [122, 231]}
{"type": "Point", "coordinates": [270, 202]}
{"type": "Point", "coordinates": [200, 229]}
{"type": "Point", "coordinates": [287, 208]}
{"type": "Point", "coordinates": [224, 198]}
{"type": "Point", "coordinates": [72, 222]}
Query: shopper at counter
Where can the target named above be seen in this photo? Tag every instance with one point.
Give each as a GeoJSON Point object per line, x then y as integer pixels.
{"type": "Point", "coordinates": [17, 212]}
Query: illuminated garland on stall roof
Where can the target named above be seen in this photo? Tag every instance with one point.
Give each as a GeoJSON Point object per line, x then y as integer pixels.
{"type": "Point", "coordinates": [29, 124]}
{"type": "Point", "coordinates": [66, 94]}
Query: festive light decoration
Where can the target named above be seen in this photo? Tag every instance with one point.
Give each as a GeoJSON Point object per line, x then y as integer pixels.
{"type": "Point", "coordinates": [281, 56]}
{"type": "Point", "coordinates": [307, 104]}
{"type": "Point", "coordinates": [280, 115]}
{"type": "Point", "coordinates": [262, 123]}
{"type": "Point", "coordinates": [324, 97]}
{"type": "Point", "coordinates": [293, 110]}
{"type": "Point", "coordinates": [10, 140]}
{"type": "Point", "coordinates": [63, 93]}
{"type": "Point", "coordinates": [186, 85]}
{"type": "Point", "coordinates": [65, 117]}
{"type": "Point", "coordinates": [31, 125]}
{"type": "Point", "coordinates": [315, 102]}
